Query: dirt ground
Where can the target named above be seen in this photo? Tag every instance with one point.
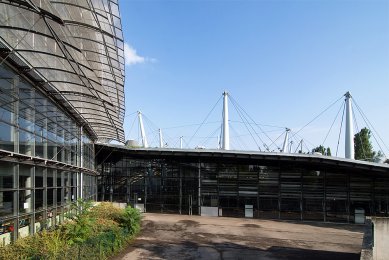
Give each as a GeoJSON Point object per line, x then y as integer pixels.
{"type": "Point", "coordinates": [194, 237]}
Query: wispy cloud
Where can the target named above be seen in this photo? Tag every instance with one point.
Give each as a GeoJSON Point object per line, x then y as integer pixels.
{"type": "Point", "coordinates": [131, 56]}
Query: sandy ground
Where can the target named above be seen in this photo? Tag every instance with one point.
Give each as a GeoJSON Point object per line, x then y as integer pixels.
{"type": "Point", "coordinates": [194, 237]}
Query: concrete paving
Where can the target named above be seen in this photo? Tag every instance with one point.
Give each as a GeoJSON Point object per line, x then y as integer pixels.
{"type": "Point", "coordinates": [194, 237]}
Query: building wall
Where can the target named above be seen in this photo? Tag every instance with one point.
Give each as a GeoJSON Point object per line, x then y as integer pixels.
{"type": "Point", "coordinates": [281, 191]}
{"type": "Point", "coordinates": [61, 90]}
{"type": "Point", "coordinates": [44, 154]}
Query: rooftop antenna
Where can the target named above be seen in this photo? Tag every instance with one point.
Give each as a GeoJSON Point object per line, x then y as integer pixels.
{"type": "Point", "coordinates": [285, 145]}
{"type": "Point", "coordinates": [226, 129]}
{"type": "Point", "coordinates": [142, 131]}
{"type": "Point", "coordinates": [349, 142]}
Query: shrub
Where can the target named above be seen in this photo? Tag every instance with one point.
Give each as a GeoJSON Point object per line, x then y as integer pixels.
{"type": "Point", "coordinates": [106, 210]}
{"type": "Point", "coordinates": [44, 245]}
{"type": "Point", "coordinates": [130, 220]}
{"type": "Point", "coordinates": [96, 233]}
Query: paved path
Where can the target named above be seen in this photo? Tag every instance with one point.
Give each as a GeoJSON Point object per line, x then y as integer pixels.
{"type": "Point", "coordinates": [194, 237]}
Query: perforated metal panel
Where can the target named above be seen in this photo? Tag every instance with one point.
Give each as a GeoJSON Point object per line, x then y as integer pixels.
{"type": "Point", "coordinates": [74, 51]}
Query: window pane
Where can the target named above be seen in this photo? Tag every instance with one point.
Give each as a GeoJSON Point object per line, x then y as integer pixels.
{"type": "Point", "coordinates": [51, 150]}
{"type": "Point", "coordinates": [6, 203]}
{"type": "Point", "coordinates": [40, 144]}
{"type": "Point", "coordinates": [25, 176]}
{"type": "Point", "coordinates": [39, 177]}
{"type": "Point", "coordinates": [6, 142]}
{"type": "Point", "coordinates": [59, 197]}
{"type": "Point", "coordinates": [25, 201]}
{"type": "Point", "coordinates": [39, 199]}
{"type": "Point", "coordinates": [26, 143]}
{"type": "Point", "coordinates": [6, 175]}
{"type": "Point", "coordinates": [50, 178]}
{"type": "Point", "coordinates": [50, 197]}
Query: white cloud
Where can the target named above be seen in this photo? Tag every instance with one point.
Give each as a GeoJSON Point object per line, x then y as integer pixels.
{"type": "Point", "coordinates": [132, 58]}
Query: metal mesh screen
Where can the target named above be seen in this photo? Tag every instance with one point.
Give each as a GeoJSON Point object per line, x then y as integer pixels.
{"type": "Point", "coordinates": [74, 51]}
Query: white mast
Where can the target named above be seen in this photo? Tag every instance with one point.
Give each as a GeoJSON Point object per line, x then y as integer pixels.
{"type": "Point", "coordinates": [142, 131]}
{"type": "Point", "coordinates": [181, 137]}
{"type": "Point", "coordinates": [285, 145]}
{"type": "Point", "coordinates": [226, 130]}
{"type": "Point", "coordinates": [290, 146]}
{"type": "Point", "coordinates": [349, 143]}
{"type": "Point", "coordinates": [160, 138]}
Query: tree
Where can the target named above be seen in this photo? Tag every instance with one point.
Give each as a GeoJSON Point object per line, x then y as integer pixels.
{"type": "Point", "coordinates": [362, 146]}
{"type": "Point", "coordinates": [321, 149]}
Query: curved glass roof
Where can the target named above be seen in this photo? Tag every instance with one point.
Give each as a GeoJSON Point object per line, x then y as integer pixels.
{"type": "Point", "coordinates": [73, 50]}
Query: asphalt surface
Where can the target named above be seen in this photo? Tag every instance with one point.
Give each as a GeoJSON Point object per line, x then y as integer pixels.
{"type": "Point", "coordinates": [194, 237]}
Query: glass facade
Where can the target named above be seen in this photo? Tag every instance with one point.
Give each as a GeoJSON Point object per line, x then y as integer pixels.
{"type": "Point", "coordinates": [61, 90]}
{"type": "Point", "coordinates": [282, 190]}
{"type": "Point", "coordinates": [45, 155]}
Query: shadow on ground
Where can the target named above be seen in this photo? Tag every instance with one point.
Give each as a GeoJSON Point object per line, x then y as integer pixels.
{"type": "Point", "coordinates": [191, 250]}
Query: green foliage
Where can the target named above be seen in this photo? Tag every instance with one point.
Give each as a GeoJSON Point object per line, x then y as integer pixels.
{"type": "Point", "coordinates": [44, 245]}
{"type": "Point", "coordinates": [80, 228]}
{"type": "Point", "coordinates": [130, 220]}
{"type": "Point", "coordinates": [78, 231]}
{"type": "Point", "coordinates": [95, 233]}
{"type": "Point", "coordinates": [363, 148]}
{"type": "Point", "coordinates": [321, 149]}
{"type": "Point", "coordinates": [105, 210]}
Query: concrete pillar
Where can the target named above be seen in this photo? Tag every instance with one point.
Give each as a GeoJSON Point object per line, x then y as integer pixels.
{"type": "Point", "coordinates": [381, 238]}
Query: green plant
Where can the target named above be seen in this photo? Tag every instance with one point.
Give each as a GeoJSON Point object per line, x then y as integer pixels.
{"type": "Point", "coordinates": [130, 220]}
{"type": "Point", "coordinates": [96, 233]}
{"type": "Point", "coordinates": [105, 210]}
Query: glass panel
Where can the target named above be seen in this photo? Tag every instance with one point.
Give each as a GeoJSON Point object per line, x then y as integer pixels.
{"type": "Point", "coordinates": [25, 201]}
{"type": "Point", "coordinates": [50, 177]}
{"type": "Point", "coordinates": [6, 175]}
{"type": "Point", "coordinates": [51, 150]}
{"type": "Point", "coordinates": [39, 177]}
{"type": "Point", "coordinates": [26, 143]}
{"type": "Point", "coordinates": [59, 197]}
{"type": "Point", "coordinates": [39, 199]}
{"type": "Point", "coordinates": [6, 203]}
{"type": "Point", "coordinates": [6, 140]}
{"type": "Point", "coordinates": [59, 178]}
{"type": "Point", "coordinates": [40, 144]}
{"type": "Point", "coordinates": [50, 197]}
{"type": "Point", "coordinates": [74, 178]}
{"type": "Point", "coordinates": [25, 176]}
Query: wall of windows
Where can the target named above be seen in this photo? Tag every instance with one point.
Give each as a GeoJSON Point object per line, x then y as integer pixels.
{"type": "Point", "coordinates": [33, 198]}
{"type": "Point", "coordinates": [291, 191]}
{"type": "Point", "coordinates": [53, 153]}
{"type": "Point", "coordinates": [31, 124]}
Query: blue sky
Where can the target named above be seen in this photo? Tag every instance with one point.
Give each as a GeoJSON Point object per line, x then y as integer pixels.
{"type": "Point", "coordinates": [284, 62]}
